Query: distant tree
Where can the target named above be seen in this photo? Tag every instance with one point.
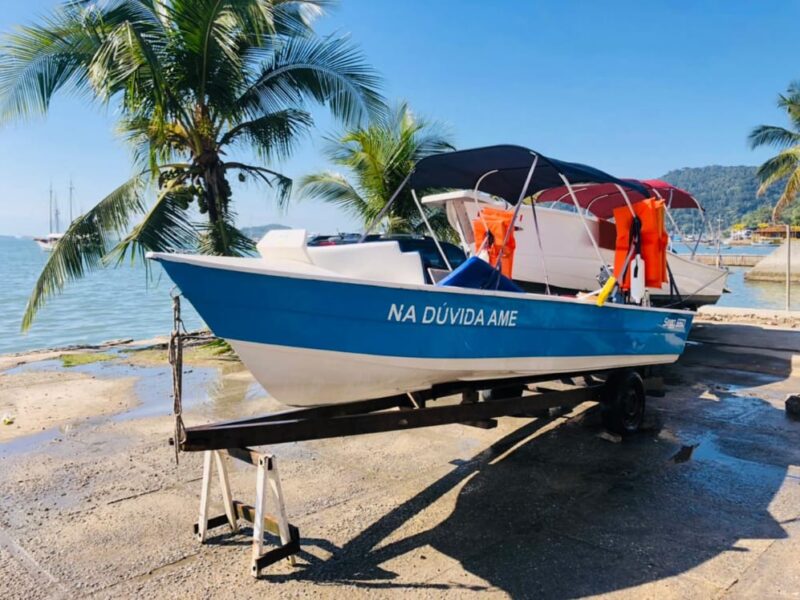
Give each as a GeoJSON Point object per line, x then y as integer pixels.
{"type": "Point", "coordinates": [727, 192]}
{"type": "Point", "coordinates": [377, 159]}
{"type": "Point", "coordinates": [784, 166]}
{"type": "Point", "coordinates": [192, 81]}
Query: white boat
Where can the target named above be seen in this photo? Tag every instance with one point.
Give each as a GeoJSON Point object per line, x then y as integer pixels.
{"type": "Point", "coordinates": [333, 324]}
{"type": "Point", "coordinates": [547, 258]}
{"type": "Point", "coordinates": [48, 243]}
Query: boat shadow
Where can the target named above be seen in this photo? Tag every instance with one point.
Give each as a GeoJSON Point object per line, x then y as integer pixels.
{"type": "Point", "coordinates": [565, 513]}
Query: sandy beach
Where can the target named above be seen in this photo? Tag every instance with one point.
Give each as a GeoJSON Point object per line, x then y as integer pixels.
{"type": "Point", "coordinates": [95, 506]}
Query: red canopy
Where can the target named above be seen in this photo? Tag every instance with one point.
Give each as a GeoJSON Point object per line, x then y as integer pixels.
{"type": "Point", "coordinates": [602, 198]}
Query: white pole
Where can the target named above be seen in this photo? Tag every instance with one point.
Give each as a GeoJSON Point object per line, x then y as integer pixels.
{"type": "Point", "coordinates": [788, 266]}
{"type": "Point", "coordinates": [385, 209]}
{"type": "Point", "coordinates": [583, 220]}
{"type": "Point", "coordinates": [430, 229]}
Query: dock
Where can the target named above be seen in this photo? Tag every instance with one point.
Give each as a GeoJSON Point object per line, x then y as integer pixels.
{"type": "Point", "coordinates": [729, 260]}
{"type": "Point", "coordinates": [703, 503]}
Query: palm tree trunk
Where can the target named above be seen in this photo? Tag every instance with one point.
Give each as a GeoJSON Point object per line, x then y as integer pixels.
{"type": "Point", "coordinates": [217, 193]}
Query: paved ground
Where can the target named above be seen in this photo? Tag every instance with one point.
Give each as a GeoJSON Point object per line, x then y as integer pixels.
{"type": "Point", "coordinates": [704, 504]}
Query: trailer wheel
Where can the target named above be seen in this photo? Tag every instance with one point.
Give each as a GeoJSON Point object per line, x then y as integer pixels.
{"type": "Point", "coordinates": [623, 402]}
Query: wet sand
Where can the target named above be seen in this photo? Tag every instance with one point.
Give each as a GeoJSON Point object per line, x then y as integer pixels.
{"type": "Point", "coordinates": [703, 504]}
{"type": "Point", "coordinates": [39, 402]}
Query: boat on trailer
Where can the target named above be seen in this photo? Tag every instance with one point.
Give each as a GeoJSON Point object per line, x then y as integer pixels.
{"type": "Point", "coordinates": [339, 324]}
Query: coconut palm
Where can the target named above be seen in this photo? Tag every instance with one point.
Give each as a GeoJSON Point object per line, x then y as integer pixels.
{"type": "Point", "coordinates": [378, 158]}
{"type": "Point", "coordinates": [193, 81]}
{"type": "Point", "coordinates": [784, 166]}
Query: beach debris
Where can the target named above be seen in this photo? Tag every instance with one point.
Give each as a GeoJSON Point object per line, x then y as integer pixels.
{"type": "Point", "coordinates": [792, 405]}
{"type": "Point", "coordinates": [614, 438]}
{"type": "Point", "coordinates": [85, 358]}
{"type": "Point", "coordinates": [685, 453]}
{"type": "Point", "coordinates": [8, 420]}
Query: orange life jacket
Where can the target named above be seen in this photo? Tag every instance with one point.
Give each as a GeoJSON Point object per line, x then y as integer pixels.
{"type": "Point", "coordinates": [654, 241]}
{"type": "Point", "coordinates": [495, 222]}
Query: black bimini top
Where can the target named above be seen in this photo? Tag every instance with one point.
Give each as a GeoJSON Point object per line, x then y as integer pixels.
{"type": "Point", "coordinates": [462, 170]}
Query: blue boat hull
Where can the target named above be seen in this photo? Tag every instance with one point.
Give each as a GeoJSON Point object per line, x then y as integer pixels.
{"type": "Point", "coordinates": [312, 340]}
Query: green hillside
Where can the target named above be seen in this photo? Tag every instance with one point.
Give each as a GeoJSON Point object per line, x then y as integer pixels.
{"type": "Point", "coordinates": [727, 192]}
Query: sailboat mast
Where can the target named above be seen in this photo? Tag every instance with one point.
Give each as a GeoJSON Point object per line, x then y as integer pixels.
{"type": "Point", "coordinates": [50, 209]}
{"type": "Point", "coordinates": [71, 189]}
{"type": "Point", "coordinates": [55, 210]}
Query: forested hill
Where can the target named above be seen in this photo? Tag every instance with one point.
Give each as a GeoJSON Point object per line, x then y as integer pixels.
{"type": "Point", "coordinates": [729, 192]}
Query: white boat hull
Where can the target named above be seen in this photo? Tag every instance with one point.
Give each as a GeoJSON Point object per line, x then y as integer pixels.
{"type": "Point", "coordinates": [329, 376]}
{"type": "Point", "coordinates": [574, 265]}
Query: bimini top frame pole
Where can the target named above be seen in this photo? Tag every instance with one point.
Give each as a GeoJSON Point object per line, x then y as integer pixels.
{"type": "Point", "coordinates": [511, 173]}
{"type": "Point", "coordinates": [571, 192]}
{"type": "Point", "coordinates": [385, 209]}
{"type": "Point", "coordinates": [430, 229]}
{"type": "Point", "coordinates": [535, 224]}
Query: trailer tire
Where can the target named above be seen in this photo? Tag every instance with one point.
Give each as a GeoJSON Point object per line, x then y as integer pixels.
{"type": "Point", "coordinates": [623, 402]}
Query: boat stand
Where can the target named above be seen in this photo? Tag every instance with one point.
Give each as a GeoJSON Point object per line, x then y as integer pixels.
{"type": "Point", "coordinates": [268, 487]}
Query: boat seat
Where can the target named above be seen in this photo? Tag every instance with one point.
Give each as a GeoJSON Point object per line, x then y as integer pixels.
{"type": "Point", "coordinates": [477, 274]}
{"type": "Point", "coordinates": [372, 261]}
{"type": "Point", "coordinates": [284, 244]}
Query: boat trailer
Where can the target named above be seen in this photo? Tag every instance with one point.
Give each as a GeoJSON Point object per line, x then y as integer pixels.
{"type": "Point", "coordinates": [620, 393]}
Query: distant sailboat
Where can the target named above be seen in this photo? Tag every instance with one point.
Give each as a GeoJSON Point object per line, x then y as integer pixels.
{"type": "Point", "coordinates": [48, 243]}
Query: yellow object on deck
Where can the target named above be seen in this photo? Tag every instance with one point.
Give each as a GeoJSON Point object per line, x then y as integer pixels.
{"type": "Point", "coordinates": [606, 291]}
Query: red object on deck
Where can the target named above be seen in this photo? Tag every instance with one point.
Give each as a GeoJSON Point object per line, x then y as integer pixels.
{"type": "Point", "coordinates": [654, 242]}
{"type": "Point", "coordinates": [494, 223]}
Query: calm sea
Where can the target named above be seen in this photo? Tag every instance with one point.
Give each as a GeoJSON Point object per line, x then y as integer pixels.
{"type": "Point", "coordinates": [108, 304]}
{"type": "Point", "coordinates": [122, 302]}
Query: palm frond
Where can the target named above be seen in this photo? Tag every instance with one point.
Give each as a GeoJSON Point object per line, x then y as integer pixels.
{"type": "Point", "coordinates": [85, 243]}
{"type": "Point", "coordinates": [281, 183]}
{"type": "Point", "coordinates": [166, 226]}
{"type": "Point", "coordinates": [274, 135]}
{"type": "Point", "coordinates": [296, 17]}
{"type": "Point", "coordinates": [770, 135]}
{"type": "Point", "coordinates": [329, 70]}
{"type": "Point", "coordinates": [777, 168]}
{"type": "Point", "coordinates": [223, 238]}
{"type": "Point", "coordinates": [789, 194]}
{"type": "Point", "coordinates": [333, 188]}
{"type": "Point", "coordinates": [379, 157]}
{"type": "Point", "coordinates": [37, 61]}
{"type": "Point", "coordinates": [790, 102]}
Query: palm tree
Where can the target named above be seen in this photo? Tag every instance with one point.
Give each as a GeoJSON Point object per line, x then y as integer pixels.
{"type": "Point", "coordinates": [379, 157]}
{"type": "Point", "coordinates": [786, 164]}
{"type": "Point", "coordinates": [192, 81]}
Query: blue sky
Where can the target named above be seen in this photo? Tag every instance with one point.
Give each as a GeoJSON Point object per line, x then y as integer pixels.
{"type": "Point", "coordinates": [635, 88]}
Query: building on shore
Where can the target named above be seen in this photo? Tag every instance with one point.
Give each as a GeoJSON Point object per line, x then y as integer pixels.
{"type": "Point", "coordinates": [774, 233]}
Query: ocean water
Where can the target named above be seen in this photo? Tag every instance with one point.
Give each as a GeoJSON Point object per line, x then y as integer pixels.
{"type": "Point", "coordinates": [108, 304]}
{"type": "Point", "coordinates": [123, 302]}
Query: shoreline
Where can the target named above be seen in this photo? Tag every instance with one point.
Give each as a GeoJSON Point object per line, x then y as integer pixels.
{"type": "Point", "coordinates": [767, 317]}
{"type": "Point", "coordinates": [15, 359]}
